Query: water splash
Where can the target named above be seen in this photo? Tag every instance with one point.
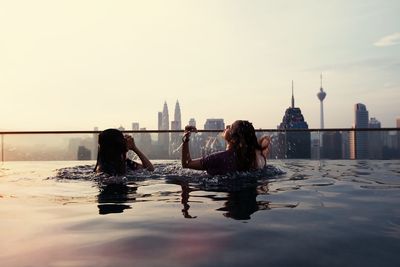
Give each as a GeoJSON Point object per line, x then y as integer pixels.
{"type": "Point", "coordinates": [172, 172]}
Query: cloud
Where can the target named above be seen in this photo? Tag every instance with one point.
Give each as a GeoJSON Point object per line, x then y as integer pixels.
{"type": "Point", "coordinates": [389, 40]}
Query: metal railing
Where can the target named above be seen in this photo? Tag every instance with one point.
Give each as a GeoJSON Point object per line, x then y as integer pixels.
{"type": "Point", "coordinates": [282, 136]}
{"type": "Point", "coordinates": [205, 131]}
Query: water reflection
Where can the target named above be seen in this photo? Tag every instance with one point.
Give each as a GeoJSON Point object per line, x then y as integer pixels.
{"type": "Point", "coordinates": [185, 200]}
{"type": "Point", "coordinates": [239, 204]}
{"type": "Point", "coordinates": [111, 198]}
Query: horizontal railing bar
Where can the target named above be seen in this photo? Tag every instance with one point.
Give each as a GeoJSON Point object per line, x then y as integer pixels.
{"type": "Point", "coordinates": [207, 131]}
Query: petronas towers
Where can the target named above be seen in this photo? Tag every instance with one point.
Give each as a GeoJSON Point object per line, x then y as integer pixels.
{"type": "Point", "coordinates": [168, 144]}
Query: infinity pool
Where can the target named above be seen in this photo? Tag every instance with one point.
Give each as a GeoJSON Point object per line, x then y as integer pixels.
{"type": "Point", "coordinates": [294, 213]}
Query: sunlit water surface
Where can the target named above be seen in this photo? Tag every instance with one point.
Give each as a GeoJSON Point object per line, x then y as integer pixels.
{"type": "Point", "coordinates": [294, 213]}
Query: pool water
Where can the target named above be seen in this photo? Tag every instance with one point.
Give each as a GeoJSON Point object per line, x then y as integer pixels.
{"type": "Point", "coordinates": [293, 213]}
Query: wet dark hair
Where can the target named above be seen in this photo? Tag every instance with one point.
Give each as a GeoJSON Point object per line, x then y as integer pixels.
{"type": "Point", "coordinates": [244, 142]}
{"type": "Point", "coordinates": [111, 155]}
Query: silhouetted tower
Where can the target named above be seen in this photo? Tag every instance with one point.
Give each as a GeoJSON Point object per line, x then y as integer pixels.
{"type": "Point", "coordinates": [163, 138]}
{"type": "Point", "coordinates": [176, 124]}
{"type": "Point", "coordinates": [177, 115]}
{"type": "Point", "coordinates": [165, 117]}
{"type": "Point", "coordinates": [294, 144]}
{"type": "Point", "coordinates": [292, 96]}
{"type": "Point", "coordinates": [321, 96]}
{"type": "Point", "coordinates": [359, 140]}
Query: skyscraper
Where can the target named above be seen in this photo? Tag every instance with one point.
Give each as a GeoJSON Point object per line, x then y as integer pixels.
{"type": "Point", "coordinates": [398, 137]}
{"type": "Point", "coordinates": [192, 122]}
{"type": "Point", "coordinates": [159, 120]}
{"type": "Point", "coordinates": [321, 96]}
{"type": "Point", "coordinates": [163, 138]}
{"type": "Point", "coordinates": [332, 148]}
{"type": "Point", "coordinates": [214, 124]}
{"type": "Point", "coordinates": [145, 142]}
{"type": "Point", "coordinates": [294, 144]}
{"type": "Point", "coordinates": [177, 115]}
{"type": "Point", "coordinates": [176, 124]}
{"type": "Point", "coordinates": [346, 144]}
{"type": "Point", "coordinates": [359, 140]}
{"type": "Point", "coordinates": [375, 140]}
{"type": "Point", "coordinates": [213, 141]}
{"type": "Point", "coordinates": [165, 117]}
{"type": "Point", "coordinates": [374, 123]}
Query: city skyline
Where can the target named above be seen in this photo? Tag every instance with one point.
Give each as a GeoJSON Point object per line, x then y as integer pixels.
{"type": "Point", "coordinates": [164, 121]}
{"type": "Point", "coordinates": [115, 62]}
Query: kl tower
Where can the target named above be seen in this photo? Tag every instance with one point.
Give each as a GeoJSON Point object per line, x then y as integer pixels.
{"type": "Point", "coordinates": [321, 96]}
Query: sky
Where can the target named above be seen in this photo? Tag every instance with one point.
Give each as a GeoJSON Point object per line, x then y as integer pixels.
{"type": "Point", "coordinates": [76, 65]}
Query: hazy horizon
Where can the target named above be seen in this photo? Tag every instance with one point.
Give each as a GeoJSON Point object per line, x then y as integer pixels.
{"type": "Point", "coordinates": [75, 65]}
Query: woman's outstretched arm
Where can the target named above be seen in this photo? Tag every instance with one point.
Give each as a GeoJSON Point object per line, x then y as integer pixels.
{"type": "Point", "coordinates": [187, 161]}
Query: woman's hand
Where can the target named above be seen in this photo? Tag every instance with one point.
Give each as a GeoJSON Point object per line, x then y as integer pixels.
{"type": "Point", "coordinates": [130, 142]}
{"type": "Point", "coordinates": [188, 130]}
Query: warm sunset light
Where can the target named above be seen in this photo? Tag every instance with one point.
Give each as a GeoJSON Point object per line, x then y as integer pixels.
{"type": "Point", "coordinates": [80, 64]}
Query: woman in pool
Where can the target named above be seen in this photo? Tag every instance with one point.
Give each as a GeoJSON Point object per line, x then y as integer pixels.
{"type": "Point", "coordinates": [243, 153]}
{"type": "Point", "coordinates": [111, 157]}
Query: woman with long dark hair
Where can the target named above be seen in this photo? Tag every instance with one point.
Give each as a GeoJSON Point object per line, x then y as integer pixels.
{"type": "Point", "coordinates": [243, 151]}
{"type": "Point", "coordinates": [111, 156]}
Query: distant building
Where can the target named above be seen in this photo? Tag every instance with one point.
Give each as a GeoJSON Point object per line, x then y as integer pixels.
{"type": "Point", "coordinates": [332, 148]}
{"type": "Point", "coordinates": [391, 143]}
{"type": "Point", "coordinates": [294, 144]}
{"type": "Point", "coordinates": [83, 153]}
{"type": "Point", "coordinates": [345, 145]}
{"type": "Point", "coordinates": [165, 117]}
{"type": "Point", "coordinates": [214, 124]}
{"type": "Point", "coordinates": [192, 122]}
{"type": "Point", "coordinates": [375, 140]}
{"type": "Point", "coordinates": [135, 126]}
{"type": "Point", "coordinates": [213, 141]}
{"type": "Point", "coordinates": [163, 138]}
{"type": "Point", "coordinates": [398, 137]}
{"type": "Point", "coordinates": [374, 123]}
{"type": "Point", "coordinates": [390, 140]}
{"type": "Point", "coordinates": [359, 140]}
{"type": "Point", "coordinates": [145, 142]}
{"type": "Point", "coordinates": [159, 120]}
{"type": "Point", "coordinates": [177, 116]}
{"type": "Point", "coordinates": [176, 140]}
